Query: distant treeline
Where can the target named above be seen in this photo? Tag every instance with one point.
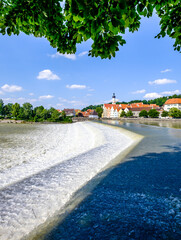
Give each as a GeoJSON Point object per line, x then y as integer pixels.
{"type": "Point", "coordinates": [91, 107]}
{"type": "Point", "coordinates": [28, 113]}
{"type": "Point", "coordinates": [158, 101]}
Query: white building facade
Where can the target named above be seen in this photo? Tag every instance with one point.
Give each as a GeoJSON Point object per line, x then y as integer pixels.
{"type": "Point", "coordinates": [172, 103]}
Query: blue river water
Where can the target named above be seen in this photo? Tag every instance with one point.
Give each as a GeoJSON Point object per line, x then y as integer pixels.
{"type": "Point", "coordinates": [140, 198]}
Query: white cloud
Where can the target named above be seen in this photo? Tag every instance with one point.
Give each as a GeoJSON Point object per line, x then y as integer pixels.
{"type": "Point", "coordinates": [162, 81]}
{"type": "Point", "coordinates": [139, 91]}
{"type": "Point", "coordinates": [91, 89]}
{"type": "Point", "coordinates": [76, 86]}
{"type": "Point", "coordinates": [11, 88]}
{"type": "Point", "coordinates": [46, 97]}
{"type": "Point", "coordinates": [83, 53]}
{"type": "Point", "coordinates": [67, 103]}
{"type": "Point", "coordinates": [152, 95]}
{"type": "Point", "coordinates": [47, 75]}
{"type": "Point", "coordinates": [88, 95]}
{"type": "Point", "coordinates": [69, 56]}
{"type": "Point", "coordinates": [20, 100]}
{"type": "Point", "coordinates": [157, 95]}
{"type": "Point", "coordinates": [31, 94]}
{"type": "Point", "coordinates": [1, 93]}
{"type": "Point", "coordinates": [171, 92]}
{"type": "Point", "coordinates": [166, 70]}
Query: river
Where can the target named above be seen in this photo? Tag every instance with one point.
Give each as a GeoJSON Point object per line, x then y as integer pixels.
{"type": "Point", "coordinates": [43, 165]}
{"type": "Point", "coordinates": [140, 198]}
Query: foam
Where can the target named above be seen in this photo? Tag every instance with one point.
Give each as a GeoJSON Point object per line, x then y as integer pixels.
{"type": "Point", "coordinates": [61, 159]}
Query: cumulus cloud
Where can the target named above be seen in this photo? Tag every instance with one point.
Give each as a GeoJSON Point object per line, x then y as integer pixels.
{"type": "Point", "coordinates": [91, 89]}
{"type": "Point", "coordinates": [1, 93]}
{"type": "Point", "coordinates": [139, 91]}
{"type": "Point", "coordinates": [20, 100]}
{"type": "Point", "coordinates": [166, 70]}
{"type": "Point", "coordinates": [162, 81]}
{"type": "Point", "coordinates": [31, 94]}
{"type": "Point", "coordinates": [11, 88]}
{"type": "Point", "coordinates": [71, 102]}
{"type": "Point", "coordinates": [76, 86]}
{"type": "Point", "coordinates": [171, 92]}
{"type": "Point", "coordinates": [83, 53]}
{"type": "Point", "coordinates": [47, 75]}
{"type": "Point", "coordinates": [46, 97]}
{"type": "Point", "coordinates": [68, 56]}
{"type": "Point", "coordinates": [152, 95]}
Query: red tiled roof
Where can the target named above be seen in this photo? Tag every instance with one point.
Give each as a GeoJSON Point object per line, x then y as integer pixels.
{"type": "Point", "coordinates": [85, 114]}
{"type": "Point", "coordinates": [123, 106]}
{"type": "Point", "coordinates": [77, 110]}
{"type": "Point", "coordinates": [173, 101]}
{"type": "Point", "coordinates": [108, 105]}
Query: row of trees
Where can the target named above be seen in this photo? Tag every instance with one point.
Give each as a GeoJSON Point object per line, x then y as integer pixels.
{"type": "Point", "coordinates": [92, 107]}
{"type": "Point", "coordinates": [158, 101]}
{"type": "Point", "coordinates": [28, 113]}
{"type": "Point", "coordinates": [153, 113]}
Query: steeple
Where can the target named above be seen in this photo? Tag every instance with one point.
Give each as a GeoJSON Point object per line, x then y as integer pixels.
{"type": "Point", "coordinates": [114, 99]}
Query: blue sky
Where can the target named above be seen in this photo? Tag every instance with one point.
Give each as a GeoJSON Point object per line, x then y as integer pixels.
{"type": "Point", "coordinates": [144, 68]}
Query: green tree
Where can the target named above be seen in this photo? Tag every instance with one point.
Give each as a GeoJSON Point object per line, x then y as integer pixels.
{"type": "Point", "coordinates": [28, 110]}
{"type": "Point", "coordinates": [37, 112]}
{"type": "Point", "coordinates": [1, 107]}
{"type": "Point", "coordinates": [99, 111]}
{"type": "Point", "coordinates": [45, 114]}
{"type": "Point", "coordinates": [102, 21]}
{"type": "Point", "coordinates": [55, 115]}
{"type": "Point", "coordinates": [15, 110]}
{"type": "Point", "coordinates": [153, 113]}
{"type": "Point", "coordinates": [164, 114]}
{"type": "Point", "coordinates": [123, 114]}
{"type": "Point", "coordinates": [63, 114]}
{"type": "Point", "coordinates": [8, 109]}
{"type": "Point", "coordinates": [175, 113]}
{"type": "Point", "coordinates": [21, 114]}
{"type": "Point", "coordinates": [143, 113]}
{"type": "Point", "coordinates": [129, 114]}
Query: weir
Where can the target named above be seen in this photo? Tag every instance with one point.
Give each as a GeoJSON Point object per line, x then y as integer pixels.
{"type": "Point", "coordinates": [31, 201]}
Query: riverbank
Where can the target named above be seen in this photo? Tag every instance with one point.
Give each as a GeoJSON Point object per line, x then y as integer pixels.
{"type": "Point", "coordinates": [48, 182]}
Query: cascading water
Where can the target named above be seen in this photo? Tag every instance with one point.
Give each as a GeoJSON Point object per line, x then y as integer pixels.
{"type": "Point", "coordinates": [42, 168]}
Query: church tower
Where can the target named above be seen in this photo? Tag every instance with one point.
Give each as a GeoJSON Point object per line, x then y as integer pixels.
{"type": "Point", "coordinates": [113, 99]}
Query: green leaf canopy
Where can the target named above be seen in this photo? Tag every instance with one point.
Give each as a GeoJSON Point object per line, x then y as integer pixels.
{"type": "Point", "coordinates": [67, 23]}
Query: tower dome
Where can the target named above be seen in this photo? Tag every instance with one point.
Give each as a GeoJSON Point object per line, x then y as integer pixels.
{"type": "Point", "coordinates": [113, 98]}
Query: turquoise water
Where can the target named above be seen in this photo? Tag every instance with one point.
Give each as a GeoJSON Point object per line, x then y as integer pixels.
{"type": "Point", "coordinates": [138, 199]}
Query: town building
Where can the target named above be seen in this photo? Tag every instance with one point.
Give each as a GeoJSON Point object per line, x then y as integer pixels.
{"type": "Point", "coordinates": [93, 114]}
{"type": "Point", "coordinates": [173, 102]}
{"type": "Point", "coordinates": [69, 112]}
{"type": "Point", "coordinates": [114, 110]}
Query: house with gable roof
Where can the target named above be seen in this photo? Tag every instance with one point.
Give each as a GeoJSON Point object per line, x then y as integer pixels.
{"type": "Point", "coordinates": [173, 102]}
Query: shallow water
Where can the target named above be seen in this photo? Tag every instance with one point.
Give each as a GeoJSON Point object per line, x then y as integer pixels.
{"type": "Point", "coordinates": [43, 165]}
{"type": "Point", "coordinates": [138, 199]}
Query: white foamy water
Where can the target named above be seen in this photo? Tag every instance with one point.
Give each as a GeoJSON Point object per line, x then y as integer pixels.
{"type": "Point", "coordinates": [39, 175]}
